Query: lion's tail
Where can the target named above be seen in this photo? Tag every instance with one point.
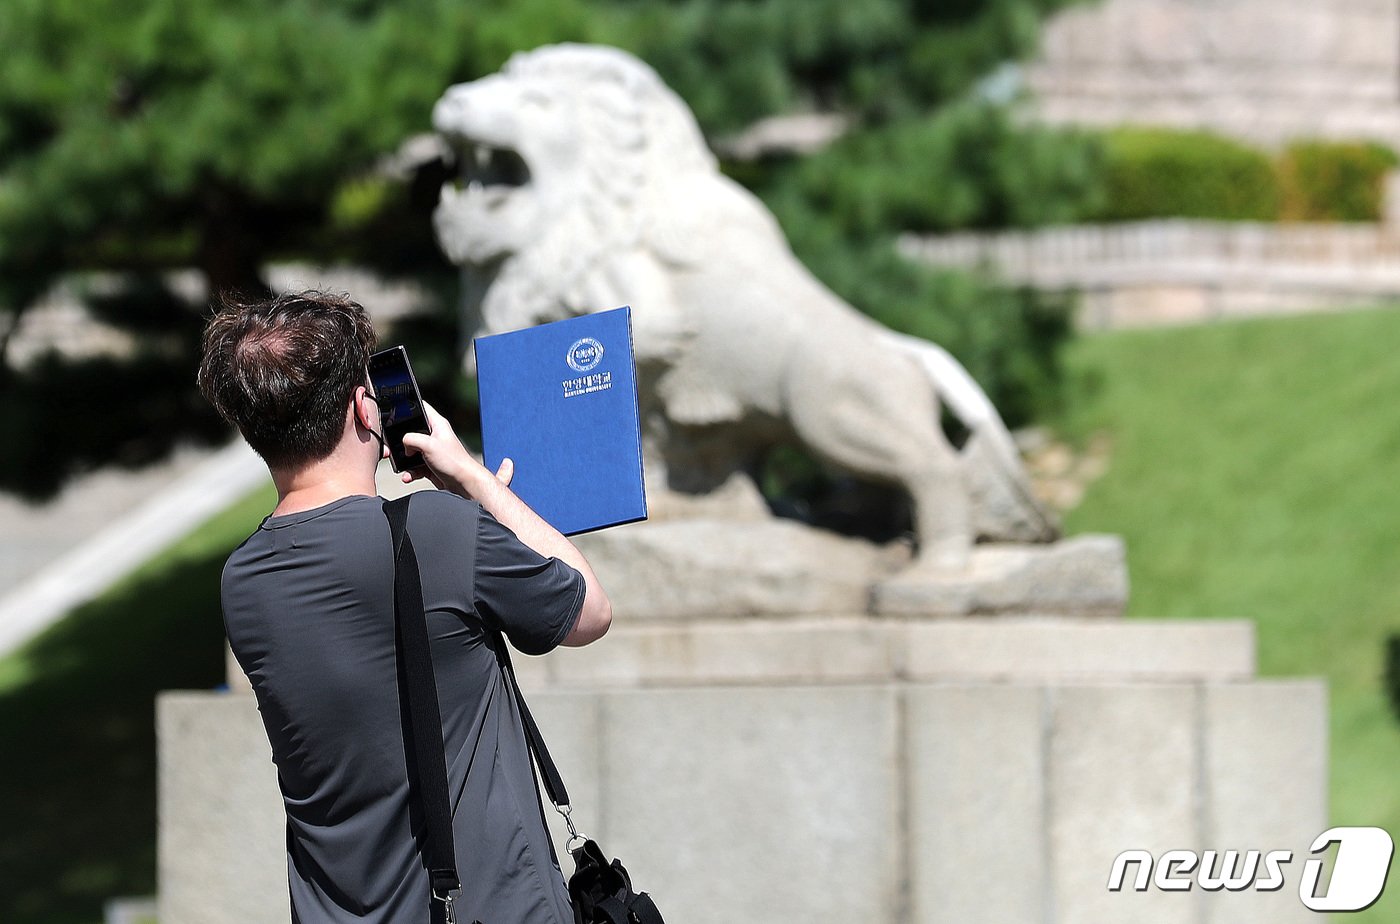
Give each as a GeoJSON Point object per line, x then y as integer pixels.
{"type": "Point", "coordinates": [997, 479]}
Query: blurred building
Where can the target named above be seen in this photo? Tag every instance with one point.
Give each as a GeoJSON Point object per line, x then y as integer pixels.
{"type": "Point", "coordinates": [1264, 70]}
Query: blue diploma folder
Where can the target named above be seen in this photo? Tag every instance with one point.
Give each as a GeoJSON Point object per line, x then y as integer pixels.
{"type": "Point", "coordinates": [560, 400]}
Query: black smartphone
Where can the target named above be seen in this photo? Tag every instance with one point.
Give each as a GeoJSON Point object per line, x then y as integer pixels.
{"type": "Point", "coordinates": [400, 404]}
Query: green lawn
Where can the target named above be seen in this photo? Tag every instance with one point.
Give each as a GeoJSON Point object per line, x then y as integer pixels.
{"type": "Point", "coordinates": [77, 715]}
{"type": "Point", "coordinates": [1254, 474]}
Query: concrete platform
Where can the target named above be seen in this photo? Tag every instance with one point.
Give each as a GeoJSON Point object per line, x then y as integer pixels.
{"type": "Point", "coordinates": [825, 771]}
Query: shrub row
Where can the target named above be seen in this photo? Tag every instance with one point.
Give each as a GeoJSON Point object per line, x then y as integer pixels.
{"type": "Point", "coordinates": [1330, 181]}
{"type": "Point", "coordinates": [1160, 173]}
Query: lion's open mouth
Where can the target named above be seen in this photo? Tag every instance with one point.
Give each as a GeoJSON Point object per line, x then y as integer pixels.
{"type": "Point", "coordinates": [493, 170]}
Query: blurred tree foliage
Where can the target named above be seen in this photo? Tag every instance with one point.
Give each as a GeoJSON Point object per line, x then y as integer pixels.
{"type": "Point", "coordinates": [214, 134]}
{"type": "Point", "coordinates": [142, 135]}
{"type": "Point", "coordinates": [967, 166]}
{"type": "Point", "coordinates": [735, 61]}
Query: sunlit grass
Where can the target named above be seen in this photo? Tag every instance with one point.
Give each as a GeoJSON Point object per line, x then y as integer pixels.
{"type": "Point", "coordinates": [1253, 475]}
{"type": "Point", "coordinates": [77, 728]}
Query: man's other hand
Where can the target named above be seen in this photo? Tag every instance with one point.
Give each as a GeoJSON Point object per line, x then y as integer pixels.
{"type": "Point", "coordinates": [451, 466]}
{"type": "Point", "coordinates": [446, 462]}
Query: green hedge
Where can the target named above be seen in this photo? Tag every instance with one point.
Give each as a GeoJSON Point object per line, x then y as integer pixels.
{"type": "Point", "coordinates": [1334, 181]}
{"type": "Point", "coordinates": [1165, 173]}
{"type": "Point", "coordinates": [1158, 173]}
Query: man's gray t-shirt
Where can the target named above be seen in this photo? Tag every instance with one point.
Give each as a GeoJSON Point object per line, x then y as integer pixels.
{"type": "Point", "coordinates": [308, 607]}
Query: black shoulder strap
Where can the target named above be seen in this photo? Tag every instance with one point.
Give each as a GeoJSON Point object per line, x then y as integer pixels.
{"type": "Point", "coordinates": [553, 782]}
{"type": "Point", "coordinates": [412, 632]}
{"type": "Point", "coordinates": [424, 717]}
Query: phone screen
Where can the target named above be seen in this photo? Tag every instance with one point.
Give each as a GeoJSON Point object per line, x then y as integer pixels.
{"type": "Point", "coordinates": [400, 404]}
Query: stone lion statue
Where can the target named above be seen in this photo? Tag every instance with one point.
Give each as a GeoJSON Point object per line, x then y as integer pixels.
{"type": "Point", "coordinates": [587, 185]}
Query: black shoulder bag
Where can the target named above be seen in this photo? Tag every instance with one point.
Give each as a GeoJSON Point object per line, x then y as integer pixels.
{"type": "Point", "coordinates": [601, 892]}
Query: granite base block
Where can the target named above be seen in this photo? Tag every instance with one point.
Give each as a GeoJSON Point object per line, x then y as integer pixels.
{"type": "Point", "coordinates": [904, 801]}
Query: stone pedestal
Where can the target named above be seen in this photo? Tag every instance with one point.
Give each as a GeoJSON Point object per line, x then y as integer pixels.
{"type": "Point", "coordinates": [672, 571]}
{"type": "Point", "coordinates": [821, 769]}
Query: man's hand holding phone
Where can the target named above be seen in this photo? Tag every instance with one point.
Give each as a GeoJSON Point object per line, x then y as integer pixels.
{"type": "Point", "coordinates": [400, 404]}
{"type": "Point", "coordinates": [446, 462]}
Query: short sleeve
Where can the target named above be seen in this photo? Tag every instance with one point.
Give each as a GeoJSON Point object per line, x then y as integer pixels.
{"type": "Point", "coordinates": [534, 600]}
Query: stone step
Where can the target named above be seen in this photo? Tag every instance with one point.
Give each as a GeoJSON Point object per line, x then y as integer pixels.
{"type": "Point", "coordinates": [862, 649]}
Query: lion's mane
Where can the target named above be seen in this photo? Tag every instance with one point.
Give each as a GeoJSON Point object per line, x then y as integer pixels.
{"type": "Point", "coordinates": [637, 142]}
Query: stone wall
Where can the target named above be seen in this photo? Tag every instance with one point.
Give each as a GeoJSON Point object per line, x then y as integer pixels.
{"type": "Point", "coordinates": [1178, 271]}
{"type": "Point", "coordinates": [821, 771]}
{"type": "Point", "coordinates": [1261, 69]}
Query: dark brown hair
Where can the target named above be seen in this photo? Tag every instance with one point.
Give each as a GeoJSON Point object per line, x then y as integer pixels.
{"type": "Point", "coordinates": [282, 370]}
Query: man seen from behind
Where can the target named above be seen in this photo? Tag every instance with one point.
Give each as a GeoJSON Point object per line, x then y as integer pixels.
{"type": "Point", "coordinates": [309, 611]}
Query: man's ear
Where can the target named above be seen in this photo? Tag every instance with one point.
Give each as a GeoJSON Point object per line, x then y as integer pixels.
{"type": "Point", "coordinates": [364, 408]}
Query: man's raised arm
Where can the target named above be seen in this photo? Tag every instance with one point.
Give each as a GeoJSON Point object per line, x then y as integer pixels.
{"type": "Point", "coordinates": [453, 468]}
